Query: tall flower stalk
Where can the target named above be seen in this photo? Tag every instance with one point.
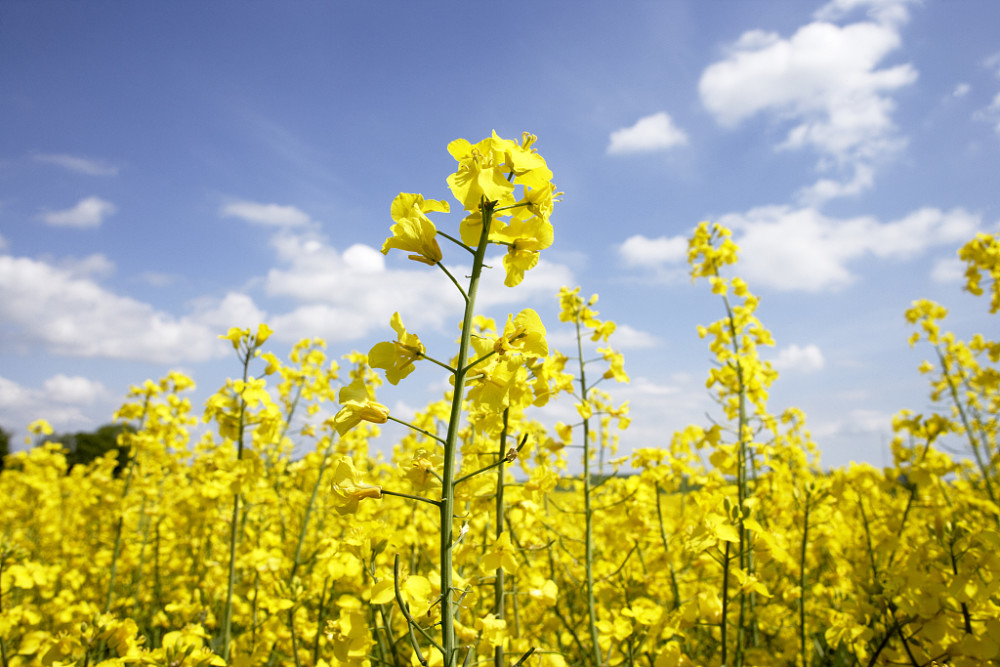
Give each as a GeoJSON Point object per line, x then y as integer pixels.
{"type": "Point", "coordinates": [485, 182]}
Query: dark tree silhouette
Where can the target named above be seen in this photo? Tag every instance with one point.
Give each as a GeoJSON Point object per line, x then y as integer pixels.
{"type": "Point", "coordinates": [84, 447]}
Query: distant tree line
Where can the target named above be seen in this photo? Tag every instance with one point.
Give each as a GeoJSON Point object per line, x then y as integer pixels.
{"type": "Point", "coordinates": [82, 447]}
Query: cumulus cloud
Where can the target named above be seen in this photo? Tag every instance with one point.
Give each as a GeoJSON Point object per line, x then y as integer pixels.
{"type": "Point", "coordinates": [628, 337]}
{"type": "Point", "coordinates": [62, 400]}
{"type": "Point", "coordinates": [650, 133]}
{"type": "Point", "coordinates": [269, 215]}
{"type": "Point", "coordinates": [81, 165]}
{"type": "Point", "coordinates": [345, 295]}
{"type": "Point", "coordinates": [640, 250]}
{"type": "Point", "coordinates": [801, 249]}
{"type": "Point", "coordinates": [68, 312]}
{"type": "Point", "coordinates": [948, 271]}
{"type": "Point", "coordinates": [801, 359]}
{"type": "Point", "coordinates": [75, 389]}
{"type": "Point", "coordinates": [88, 212]}
{"type": "Point", "coordinates": [825, 82]}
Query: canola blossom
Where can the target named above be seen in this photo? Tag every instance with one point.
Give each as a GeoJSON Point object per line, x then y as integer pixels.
{"type": "Point", "coordinates": [277, 535]}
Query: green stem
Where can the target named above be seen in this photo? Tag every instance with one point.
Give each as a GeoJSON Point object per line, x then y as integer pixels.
{"type": "Point", "coordinates": [498, 584]}
{"type": "Point", "coordinates": [802, 580]}
{"type": "Point", "coordinates": [969, 432]}
{"type": "Point", "coordinates": [121, 519]}
{"type": "Point", "coordinates": [448, 638]}
{"type": "Point", "coordinates": [588, 510]}
{"type": "Point", "coordinates": [666, 552]}
{"type": "Point", "coordinates": [416, 428]}
{"type": "Point", "coordinates": [436, 503]}
{"type": "Point", "coordinates": [227, 614]}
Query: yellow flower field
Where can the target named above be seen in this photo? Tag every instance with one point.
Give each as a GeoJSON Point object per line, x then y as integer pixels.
{"type": "Point", "coordinates": [726, 544]}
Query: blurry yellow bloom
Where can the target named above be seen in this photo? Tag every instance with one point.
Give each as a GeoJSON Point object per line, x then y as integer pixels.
{"type": "Point", "coordinates": [982, 254]}
{"type": "Point", "coordinates": [544, 590]}
{"type": "Point", "coordinates": [500, 555]}
{"type": "Point", "coordinates": [709, 249]}
{"type": "Point", "coordinates": [235, 335]}
{"type": "Point", "coordinates": [348, 490]}
{"type": "Point", "coordinates": [603, 330]}
{"type": "Point", "coordinates": [644, 611]}
{"type": "Point", "coordinates": [253, 391]}
{"type": "Point", "coordinates": [616, 363]}
{"type": "Point", "coordinates": [263, 333]}
{"type": "Point", "coordinates": [359, 405]}
{"type": "Point", "coordinates": [564, 431]}
{"type": "Point", "coordinates": [40, 427]}
{"type": "Point", "coordinates": [350, 637]}
{"type": "Point", "coordinates": [494, 629]}
{"type": "Point", "coordinates": [396, 357]}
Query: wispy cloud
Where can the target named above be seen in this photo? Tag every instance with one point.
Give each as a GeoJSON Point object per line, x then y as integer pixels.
{"type": "Point", "coordinates": [641, 251]}
{"type": "Point", "coordinates": [88, 212]}
{"type": "Point", "coordinates": [961, 90]}
{"type": "Point", "coordinates": [81, 165]}
{"type": "Point", "coordinates": [801, 359]}
{"type": "Point", "coordinates": [270, 215]}
{"type": "Point", "coordinates": [650, 133]}
{"type": "Point", "coordinates": [826, 82]}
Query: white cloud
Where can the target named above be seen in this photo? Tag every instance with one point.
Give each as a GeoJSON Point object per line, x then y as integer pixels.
{"type": "Point", "coordinates": [71, 314]}
{"type": "Point", "coordinates": [88, 212]}
{"type": "Point", "coordinates": [650, 133]}
{"type": "Point", "coordinates": [827, 188]}
{"type": "Point", "coordinates": [270, 215]}
{"type": "Point", "coordinates": [802, 359]}
{"type": "Point", "coordinates": [346, 295]}
{"type": "Point", "coordinates": [639, 250]}
{"type": "Point", "coordinates": [949, 271]}
{"type": "Point", "coordinates": [78, 164]}
{"type": "Point", "coordinates": [825, 82]}
{"type": "Point", "coordinates": [857, 422]}
{"type": "Point", "coordinates": [75, 390]}
{"type": "Point", "coordinates": [801, 249]}
{"type": "Point", "coordinates": [961, 90]}
{"type": "Point", "coordinates": [91, 266]}
{"type": "Point", "coordinates": [991, 114]}
{"type": "Point", "coordinates": [64, 409]}
{"type": "Point", "coordinates": [882, 11]}
{"type": "Point", "coordinates": [627, 337]}
{"type": "Point", "coordinates": [993, 63]}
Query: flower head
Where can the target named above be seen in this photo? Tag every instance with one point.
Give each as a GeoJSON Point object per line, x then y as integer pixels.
{"type": "Point", "coordinates": [359, 405]}
{"type": "Point", "coordinates": [414, 232]}
{"type": "Point", "coordinates": [348, 490]}
{"type": "Point", "coordinates": [397, 357]}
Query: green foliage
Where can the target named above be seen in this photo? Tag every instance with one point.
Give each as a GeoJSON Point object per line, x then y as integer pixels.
{"type": "Point", "coordinates": [83, 447]}
{"type": "Point", "coordinates": [4, 446]}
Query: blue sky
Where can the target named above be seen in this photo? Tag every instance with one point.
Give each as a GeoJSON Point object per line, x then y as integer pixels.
{"type": "Point", "coordinates": [169, 170]}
